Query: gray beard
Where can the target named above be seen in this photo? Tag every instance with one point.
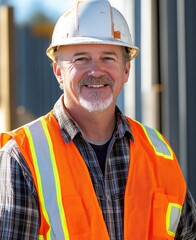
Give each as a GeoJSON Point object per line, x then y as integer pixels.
{"type": "Point", "coordinates": [96, 105]}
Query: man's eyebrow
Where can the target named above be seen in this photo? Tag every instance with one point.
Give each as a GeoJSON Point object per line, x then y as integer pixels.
{"type": "Point", "coordinates": [79, 53]}
{"type": "Point", "coordinates": [110, 53]}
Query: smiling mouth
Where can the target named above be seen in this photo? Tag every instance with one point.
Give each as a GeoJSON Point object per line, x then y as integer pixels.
{"type": "Point", "coordinates": [96, 82]}
{"type": "Point", "coordinates": [96, 86]}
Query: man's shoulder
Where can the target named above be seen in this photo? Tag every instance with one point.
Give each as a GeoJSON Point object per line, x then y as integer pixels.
{"type": "Point", "coordinates": [10, 148]}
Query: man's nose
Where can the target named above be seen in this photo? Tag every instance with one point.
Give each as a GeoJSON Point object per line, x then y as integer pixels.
{"type": "Point", "coordinates": [96, 69]}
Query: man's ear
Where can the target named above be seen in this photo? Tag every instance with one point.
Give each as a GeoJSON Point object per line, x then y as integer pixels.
{"type": "Point", "coordinates": [127, 71]}
{"type": "Point", "coordinates": [57, 72]}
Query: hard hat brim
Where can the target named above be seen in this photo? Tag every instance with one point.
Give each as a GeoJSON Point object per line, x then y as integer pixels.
{"type": "Point", "coordinates": [50, 52]}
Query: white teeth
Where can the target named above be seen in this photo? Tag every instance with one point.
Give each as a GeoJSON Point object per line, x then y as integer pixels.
{"type": "Point", "coordinates": [95, 86]}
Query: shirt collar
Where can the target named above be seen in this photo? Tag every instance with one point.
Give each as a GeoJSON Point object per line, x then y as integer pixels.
{"type": "Point", "coordinates": [70, 128]}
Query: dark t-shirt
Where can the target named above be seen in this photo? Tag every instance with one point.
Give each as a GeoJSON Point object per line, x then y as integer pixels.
{"type": "Point", "coordinates": [101, 152]}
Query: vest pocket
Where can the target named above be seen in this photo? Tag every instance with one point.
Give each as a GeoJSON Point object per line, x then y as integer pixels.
{"type": "Point", "coordinates": [77, 221]}
{"type": "Point", "coordinates": [165, 215]}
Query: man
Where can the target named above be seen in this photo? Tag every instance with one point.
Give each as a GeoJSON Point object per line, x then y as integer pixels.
{"type": "Point", "coordinates": [84, 171]}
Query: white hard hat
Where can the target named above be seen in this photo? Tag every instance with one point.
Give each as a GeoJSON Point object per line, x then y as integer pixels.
{"type": "Point", "coordinates": [91, 22]}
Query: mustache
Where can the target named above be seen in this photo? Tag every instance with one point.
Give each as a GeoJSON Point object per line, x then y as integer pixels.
{"type": "Point", "coordinates": [96, 80]}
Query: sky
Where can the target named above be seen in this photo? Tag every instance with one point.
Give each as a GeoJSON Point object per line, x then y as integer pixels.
{"type": "Point", "coordinates": [23, 9]}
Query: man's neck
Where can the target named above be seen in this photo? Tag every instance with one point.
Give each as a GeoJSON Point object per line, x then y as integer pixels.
{"type": "Point", "coordinates": [95, 126]}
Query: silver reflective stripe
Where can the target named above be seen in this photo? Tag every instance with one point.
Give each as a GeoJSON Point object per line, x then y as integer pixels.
{"type": "Point", "coordinates": [48, 181]}
{"type": "Point", "coordinates": [158, 143]}
{"type": "Point", "coordinates": [174, 218]}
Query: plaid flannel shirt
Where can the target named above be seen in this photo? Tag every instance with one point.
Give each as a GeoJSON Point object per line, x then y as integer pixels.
{"type": "Point", "coordinates": [19, 208]}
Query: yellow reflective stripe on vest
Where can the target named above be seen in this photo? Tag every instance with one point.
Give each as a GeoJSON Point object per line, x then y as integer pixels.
{"type": "Point", "coordinates": [172, 218]}
{"type": "Point", "coordinates": [57, 183]}
{"type": "Point", "coordinates": [42, 202]}
{"type": "Point", "coordinates": [48, 179]}
{"type": "Point", "coordinates": [40, 237]}
{"type": "Point", "coordinates": [159, 145]}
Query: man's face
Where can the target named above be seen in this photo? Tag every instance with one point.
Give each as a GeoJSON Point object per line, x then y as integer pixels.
{"type": "Point", "coordinates": [91, 75]}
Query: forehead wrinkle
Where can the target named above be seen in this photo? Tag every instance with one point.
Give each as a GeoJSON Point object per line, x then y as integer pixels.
{"type": "Point", "coordinates": [108, 53]}
{"type": "Point", "coordinates": [63, 52]}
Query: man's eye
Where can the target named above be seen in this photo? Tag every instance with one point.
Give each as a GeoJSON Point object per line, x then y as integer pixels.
{"type": "Point", "coordinates": [81, 60]}
{"type": "Point", "coordinates": [109, 59]}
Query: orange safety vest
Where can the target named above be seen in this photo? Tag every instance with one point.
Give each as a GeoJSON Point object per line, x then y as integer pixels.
{"type": "Point", "coordinates": [69, 208]}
